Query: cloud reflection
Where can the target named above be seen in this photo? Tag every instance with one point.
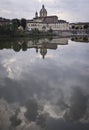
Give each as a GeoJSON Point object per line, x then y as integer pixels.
{"type": "Point", "coordinates": [45, 94]}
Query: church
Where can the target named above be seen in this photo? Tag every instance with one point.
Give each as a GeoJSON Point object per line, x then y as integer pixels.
{"type": "Point", "coordinates": [43, 22]}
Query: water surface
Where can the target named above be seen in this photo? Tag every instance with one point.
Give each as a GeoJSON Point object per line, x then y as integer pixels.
{"type": "Point", "coordinates": [44, 84]}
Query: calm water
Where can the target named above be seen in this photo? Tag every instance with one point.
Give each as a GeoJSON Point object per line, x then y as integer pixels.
{"type": "Point", "coordinates": [44, 84]}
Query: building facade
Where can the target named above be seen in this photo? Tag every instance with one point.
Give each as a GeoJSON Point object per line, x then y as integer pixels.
{"type": "Point", "coordinates": [80, 25]}
{"type": "Point", "coordinates": [43, 22]}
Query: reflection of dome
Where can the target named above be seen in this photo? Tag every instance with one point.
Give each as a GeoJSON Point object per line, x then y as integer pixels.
{"type": "Point", "coordinates": [43, 52]}
{"type": "Point", "coordinates": [43, 12]}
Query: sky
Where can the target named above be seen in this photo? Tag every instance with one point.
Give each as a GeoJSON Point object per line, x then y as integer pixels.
{"type": "Point", "coordinates": [69, 10]}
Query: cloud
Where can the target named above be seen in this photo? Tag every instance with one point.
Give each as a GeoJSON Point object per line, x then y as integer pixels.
{"type": "Point", "coordinates": [5, 11]}
{"type": "Point", "coordinates": [49, 82]}
{"type": "Point", "coordinates": [43, 1]}
{"type": "Point", "coordinates": [31, 113]}
{"type": "Point", "coordinates": [69, 10]}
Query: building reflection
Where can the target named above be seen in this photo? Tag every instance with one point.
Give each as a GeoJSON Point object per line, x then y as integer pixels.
{"type": "Point", "coordinates": [41, 45]}
{"type": "Point", "coordinates": [80, 39]}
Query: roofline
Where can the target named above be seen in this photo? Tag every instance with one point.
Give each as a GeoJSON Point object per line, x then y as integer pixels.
{"type": "Point", "coordinates": [80, 23]}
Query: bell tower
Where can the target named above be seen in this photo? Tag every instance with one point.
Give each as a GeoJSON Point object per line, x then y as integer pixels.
{"type": "Point", "coordinates": [36, 14]}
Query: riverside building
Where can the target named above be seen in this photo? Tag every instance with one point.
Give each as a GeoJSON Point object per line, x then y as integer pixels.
{"type": "Point", "coordinates": [43, 22]}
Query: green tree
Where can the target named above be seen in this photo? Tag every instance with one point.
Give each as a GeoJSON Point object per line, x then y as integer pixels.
{"type": "Point", "coordinates": [16, 47]}
{"type": "Point", "coordinates": [14, 26]}
{"type": "Point", "coordinates": [5, 29]}
{"type": "Point", "coordinates": [24, 46]}
{"type": "Point", "coordinates": [16, 22]}
{"type": "Point", "coordinates": [23, 23]}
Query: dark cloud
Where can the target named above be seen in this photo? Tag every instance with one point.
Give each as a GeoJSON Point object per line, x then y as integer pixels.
{"type": "Point", "coordinates": [53, 124]}
{"type": "Point", "coordinates": [32, 110]}
{"type": "Point", "coordinates": [78, 105]}
{"type": "Point", "coordinates": [35, 116]}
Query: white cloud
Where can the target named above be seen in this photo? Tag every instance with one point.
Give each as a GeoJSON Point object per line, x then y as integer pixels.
{"type": "Point", "coordinates": [5, 11]}
{"type": "Point", "coordinates": [43, 1]}
{"type": "Point", "coordinates": [68, 9]}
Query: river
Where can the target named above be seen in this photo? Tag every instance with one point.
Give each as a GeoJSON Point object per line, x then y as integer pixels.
{"type": "Point", "coordinates": [44, 84]}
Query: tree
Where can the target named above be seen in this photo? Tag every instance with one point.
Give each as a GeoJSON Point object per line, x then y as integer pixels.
{"type": "Point", "coordinates": [77, 28]}
{"type": "Point", "coordinates": [16, 22]}
{"type": "Point", "coordinates": [24, 46]}
{"type": "Point", "coordinates": [86, 26]}
{"type": "Point", "coordinates": [14, 26]}
{"type": "Point", "coordinates": [23, 23]}
{"type": "Point", "coordinates": [5, 29]}
{"type": "Point", "coordinates": [73, 27]}
{"type": "Point", "coordinates": [16, 47]}
{"type": "Point", "coordinates": [50, 30]}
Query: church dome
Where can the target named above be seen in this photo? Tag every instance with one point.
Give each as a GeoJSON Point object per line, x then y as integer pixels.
{"type": "Point", "coordinates": [43, 12]}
